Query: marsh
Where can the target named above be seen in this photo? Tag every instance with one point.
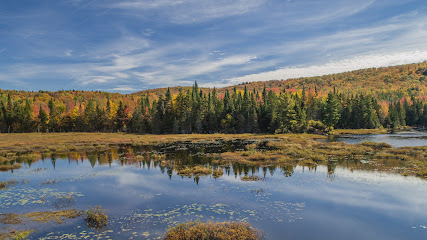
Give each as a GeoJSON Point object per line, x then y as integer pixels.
{"type": "Point", "coordinates": [148, 188]}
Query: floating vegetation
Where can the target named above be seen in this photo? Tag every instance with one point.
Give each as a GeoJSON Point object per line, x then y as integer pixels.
{"type": "Point", "coordinates": [15, 234]}
{"type": "Point", "coordinates": [194, 171]}
{"type": "Point", "coordinates": [96, 217]}
{"type": "Point", "coordinates": [49, 182]}
{"type": "Point", "coordinates": [64, 201]}
{"type": "Point", "coordinates": [56, 216]}
{"type": "Point", "coordinates": [28, 196]}
{"type": "Point", "coordinates": [213, 231]}
{"type": "Point", "coordinates": [251, 178]}
{"type": "Point", "coordinates": [10, 218]}
{"type": "Point", "coordinates": [47, 216]}
{"type": "Point", "coordinates": [38, 169]}
{"type": "Point", "coordinates": [6, 184]}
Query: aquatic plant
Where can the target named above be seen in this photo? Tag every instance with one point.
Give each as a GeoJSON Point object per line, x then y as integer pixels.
{"type": "Point", "coordinates": [213, 231]}
{"type": "Point", "coordinates": [47, 216]}
{"type": "Point", "coordinates": [49, 181]}
{"type": "Point", "coordinates": [57, 216]}
{"type": "Point", "coordinates": [15, 234]}
{"type": "Point", "coordinates": [63, 201]}
{"type": "Point", "coordinates": [96, 217]}
{"type": "Point", "coordinates": [6, 184]}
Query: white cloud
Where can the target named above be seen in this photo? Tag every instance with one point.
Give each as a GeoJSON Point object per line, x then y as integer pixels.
{"type": "Point", "coordinates": [190, 11]}
{"type": "Point", "coordinates": [68, 52]}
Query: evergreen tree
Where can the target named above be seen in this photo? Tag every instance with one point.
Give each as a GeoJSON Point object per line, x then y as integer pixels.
{"type": "Point", "coordinates": [332, 111]}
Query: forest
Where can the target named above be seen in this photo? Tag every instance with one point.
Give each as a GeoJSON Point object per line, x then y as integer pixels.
{"type": "Point", "coordinates": [301, 105]}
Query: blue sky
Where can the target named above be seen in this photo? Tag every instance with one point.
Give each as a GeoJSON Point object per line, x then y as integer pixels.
{"type": "Point", "coordinates": [129, 45]}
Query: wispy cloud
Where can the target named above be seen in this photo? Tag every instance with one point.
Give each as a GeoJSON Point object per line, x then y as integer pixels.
{"type": "Point", "coordinates": [190, 11]}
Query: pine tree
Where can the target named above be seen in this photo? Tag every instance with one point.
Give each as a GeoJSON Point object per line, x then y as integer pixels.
{"type": "Point", "coordinates": [332, 111]}
{"type": "Point", "coordinates": [43, 120]}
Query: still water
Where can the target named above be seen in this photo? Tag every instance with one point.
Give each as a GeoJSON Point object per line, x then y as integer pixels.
{"type": "Point", "coordinates": [400, 139]}
{"type": "Point", "coordinates": [144, 197]}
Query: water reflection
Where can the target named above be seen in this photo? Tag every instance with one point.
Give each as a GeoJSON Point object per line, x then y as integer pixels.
{"type": "Point", "coordinates": [169, 162]}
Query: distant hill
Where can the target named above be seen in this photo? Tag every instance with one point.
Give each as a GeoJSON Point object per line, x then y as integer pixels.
{"type": "Point", "coordinates": [386, 83]}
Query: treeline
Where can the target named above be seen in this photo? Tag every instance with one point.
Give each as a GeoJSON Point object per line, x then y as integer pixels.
{"type": "Point", "coordinates": [195, 111]}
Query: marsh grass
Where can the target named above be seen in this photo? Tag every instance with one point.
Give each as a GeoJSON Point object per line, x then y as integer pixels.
{"type": "Point", "coordinates": [359, 131]}
{"type": "Point", "coordinates": [375, 145]}
{"type": "Point", "coordinates": [96, 217]}
{"type": "Point", "coordinates": [296, 150]}
{"type": "Point", "coordinates": [213, 231]}
{"type": "Point", "coordinates": [6, 184]}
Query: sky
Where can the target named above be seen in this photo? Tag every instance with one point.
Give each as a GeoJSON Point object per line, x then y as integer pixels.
{"type": "Point", "coordinates": [131, 45]}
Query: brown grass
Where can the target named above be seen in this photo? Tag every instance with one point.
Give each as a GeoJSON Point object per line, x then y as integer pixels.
{"type": "Point", "coordinates": [13, 143]}
{"type": "Point", "coordinates": [213, 231]}
{"type": "Point", "coordinates": [359, 131]}
{"type": "Point", "coordinates": [96, 217]}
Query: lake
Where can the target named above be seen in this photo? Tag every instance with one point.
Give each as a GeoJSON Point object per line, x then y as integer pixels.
{"type": "Point", "coordinates": [144, 198]}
